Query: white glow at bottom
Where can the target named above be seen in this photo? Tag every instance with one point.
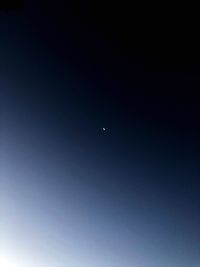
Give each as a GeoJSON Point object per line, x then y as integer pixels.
{"type": "Point", "coordinates": [9, 260]}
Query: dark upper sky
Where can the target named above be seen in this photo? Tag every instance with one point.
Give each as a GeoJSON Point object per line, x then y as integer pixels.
{"type": "Point", "coordinates": [73, 194]}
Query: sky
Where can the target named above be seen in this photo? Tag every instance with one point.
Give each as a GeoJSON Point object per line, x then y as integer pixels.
{"type": "Point", "coordinates": [99, 143]}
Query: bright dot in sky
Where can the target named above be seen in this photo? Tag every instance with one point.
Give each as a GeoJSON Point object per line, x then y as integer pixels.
{"type": "Point", "coordinates": [104, 129]}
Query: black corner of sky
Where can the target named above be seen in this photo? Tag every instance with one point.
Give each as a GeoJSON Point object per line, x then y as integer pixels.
{"type": "Point", "coordinates": [11, 5]}
{"type": "Point", "coordinates": [143, 58]}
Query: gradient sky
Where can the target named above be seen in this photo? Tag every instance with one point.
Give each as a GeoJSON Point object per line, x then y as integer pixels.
{"type": "Point", "coordinates": [72, 194]}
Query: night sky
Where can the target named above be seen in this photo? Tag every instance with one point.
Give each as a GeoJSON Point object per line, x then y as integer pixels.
{"type": "Point", "coordinates": [99, 138]}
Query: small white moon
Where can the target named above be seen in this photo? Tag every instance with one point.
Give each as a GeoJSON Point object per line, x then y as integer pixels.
{"type": "Point", "coordinates": [104, 129]}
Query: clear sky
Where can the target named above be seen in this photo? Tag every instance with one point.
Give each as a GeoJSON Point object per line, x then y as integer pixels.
{"type": "Point", "coordinates": [72, 194]}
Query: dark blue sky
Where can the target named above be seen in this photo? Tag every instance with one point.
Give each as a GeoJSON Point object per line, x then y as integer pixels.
{"type": "Point", "coordinates": [73, 194]}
